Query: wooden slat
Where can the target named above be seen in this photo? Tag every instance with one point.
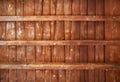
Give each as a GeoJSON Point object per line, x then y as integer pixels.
{"type": "Point", "coordinates": [30, 52]}
{"type": "Point", "coordinates": [100, 35]}
{"type": "Point", "coordinates": [46, 50]}
{"type": "Point", "coordinates": [59, 51]}
{"type": "Point", "coordinates": [54, 73]}
{"type": "Point", "coordinates": [39, 35]}
{"type": "Point", "coordinates": [91, 35]}
{"type": "Point", "coordinates": [62, 42]}
{"type": "Point", "coordinates": [4, 74]}
{"type": "Point", "coordinates": [61, 66]}
{"type": "Point", "coordinates": [60, 18]}
{"type": "Point", "coordinates": [84, 36]}
{"type": "Point", "coordinates": [75, 35]}
{"type": "Point", "coordinates": [67, 27]}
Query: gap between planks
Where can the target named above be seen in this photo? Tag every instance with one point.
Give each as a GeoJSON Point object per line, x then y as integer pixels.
{"type": "Point", "coordinates": [62, 66]}
{"type": "Point", "coordinates": [59, 18]}
{"type": "Point", "coordinates": [62, 42]}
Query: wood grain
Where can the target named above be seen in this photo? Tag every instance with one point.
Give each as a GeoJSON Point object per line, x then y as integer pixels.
{"type": "Point", "coordinates": [59, 41]}
{"type": "Point", "coordinates": [112, 33]}
{"type": "Point", "coordinates": [10, 35]}
{"type": "Point", "coordinates": [29, 7]}
{"type": "Point", "coordinates": [40, 76]}
{"type": "Point", "coordinates": [59, 35]}
{"type": "Point", "coordinates": [91, 36]}
{"type": "Point", "coordinates": [46, 36]}
{"type": "Point", "coordinates": [20, 32]}
{"type": "Point", "coordinates": [62, 66]}
{"type": "Point", "coordinates": [100, 35]}
{"type": "Point", "coordinates": [60, 18]}
{"type": "Point", "coordinates": [83, 36]}
{"type": "Point", "coordinates": [4, 74]}
{"type": "Point", "coordinates": [67, 27]}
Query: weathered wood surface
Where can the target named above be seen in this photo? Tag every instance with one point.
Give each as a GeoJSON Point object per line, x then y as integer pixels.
{"type": "Point", "coordinates": [112, 8]}
{"type": "Point", "coordinates": [61, 66]}
{"type": "Point", "coordinates": [100, 49]}
{"type": "Point", "coordinates": [59, 32]}
{"type": "Point", "coordinates": [60, 18]}
{"type": "Point", "coordinates": [61, 42]}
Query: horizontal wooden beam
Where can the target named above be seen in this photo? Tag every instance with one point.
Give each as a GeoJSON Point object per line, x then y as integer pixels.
{"type": "Point", "coordinates": [62, 66]}
{"type": "Point", "coordinates": [59, 18]}
{"type": "Point", "coordinates": [63, 42]}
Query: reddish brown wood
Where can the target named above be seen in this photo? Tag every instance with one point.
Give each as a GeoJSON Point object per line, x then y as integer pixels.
{"type": "Point", "coordinates": [75, 35]}
{"type": "Point", "coordinates": [59, 51]}
{"type": "Point", "coordinates": [83, 36]}
{"type": "Point", "coordinates": [39, 36]}
{"type": "Point", "coordinates": [70, 32]}
{"type": "Point", "coordinates": [54, 73]}
{"type": "Point", "coordinates": [112, 33]}
{"type": "Point", "coordinates": [61, 66]}
{"type": "Point", "coordinates": [20, 31]}
{"type": "Point", "coordinates": [29, 35]}
{"type": "Point", "coordinates": [67, 27]}
{"type": "Point", "coordinates": [4, 74]}
{"type": "Point", "coordinates": [10, 35]}
{"type": "Point", "coordinates": [62, 42]}
{"type": "Point", "coordinates": [100, 35]}
{"type": "Point", "coordinates": [46, 36]}
{"type": "Point", "coordinates": [60, 18]}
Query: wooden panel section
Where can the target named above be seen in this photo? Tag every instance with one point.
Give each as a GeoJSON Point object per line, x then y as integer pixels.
{"type": "Point", "coordinates": [54, 73]}
{"type": "Point", "coordinates": [46, 36]}
{"type": "Point", "coordinates": [29, 35]}
{"type": "Point", "coordinates": [59, 41]}
{"type": "Point", "coordinates": [20, 33]}
{"type": "Point", "coordinates": [10, 35]}
{"type": "Point", "coordinates": [67, 27]}
{"type": "Point", "coordinates": [112, 32]}
{"type": "Point", "coordinates": [40, 77]}
{"type": "Point", "coordinates": [91, 35]}
{"type": "Point", "coordinates": [4, 76]}
{"type": "Point", "coordinates": [100, 35]}
{"type": "Point", "coordinates": [59, 51]}
{"type": "Point", "coordinates": [83, 36]}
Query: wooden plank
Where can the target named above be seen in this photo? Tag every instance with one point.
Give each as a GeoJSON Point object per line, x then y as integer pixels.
{"type": "Point", "coordinates": [29, 10]}
{"type": "Point", "coordinates": [91, 36]}
{"type": "Point", "coordinates": [112, 33]}
{"type": "Point", "coordinates": [115, 35]}
{"type": "Point", "coordinates": [59, 35]}
{"type": "Point", "coordinates": [46, 36]}
{"type": "Point", "coordinates": [40, 74]}
{"type": "Point", "coordinates": [62, 66]}
{"type": "Point", "coordinates": [83, 36]}
{"type": "Point", "coordinates": [54, 73]}
{"type": "Point", "coordinates": [75, 35]}
{"type": "Point", "coordinates": [21, 56]}
{"type": "Point", "coordinates": [59, 18]}
{"type": "Point", "coordinates": [10, 35]}
{"type": "Point", "coordinates": [4, 74]}
{"type": "Point", "coordinates": [100, 35]}
{"type": "Point", "coordinates": [67, 27]}
{"type": "Point", "coordinates": [62, 42]}
{"type": "Point", "coordinates": [110, 75]}
{"type": "Point", "coordinates": [107, 37]}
